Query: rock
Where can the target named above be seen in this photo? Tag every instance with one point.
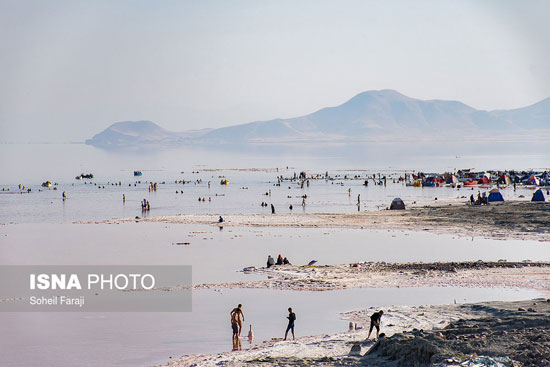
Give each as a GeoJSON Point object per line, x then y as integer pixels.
{"type": "Point", "coordinates": [355, 350]}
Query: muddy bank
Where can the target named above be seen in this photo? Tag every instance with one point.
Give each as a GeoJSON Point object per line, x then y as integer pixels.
{"type": "Point", "coordinates": [517, 330]}
{"type": "Point", "coordinates": [479, 274]}
{"type": "Point", "coordinates": [508, 220]}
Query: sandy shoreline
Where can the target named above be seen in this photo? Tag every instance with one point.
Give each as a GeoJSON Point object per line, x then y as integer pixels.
{"type": "Point", "coordinates": [524, 275]}
{"type": "Point", "coordinates": [521, 220]}
{"type": "Point", "coordinates": [415, 336]}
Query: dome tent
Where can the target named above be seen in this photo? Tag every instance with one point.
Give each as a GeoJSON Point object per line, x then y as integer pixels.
{"type": "Point", "coordinates": [397, 204]}
{"type": "Point", "coordinates": [538, 196]}
{"type": "Point", "coordinates": [495, 195]}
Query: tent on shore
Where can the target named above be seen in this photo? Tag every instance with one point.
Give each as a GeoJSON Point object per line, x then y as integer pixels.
{"type": "Point", "coordinates": [495, 195]}
{"type": "Point", "coordinates": [538, 196]}
{"type": "Point", "coordinates": [397, 204]}
{"type": "Point", "coordinates": [533, 181]}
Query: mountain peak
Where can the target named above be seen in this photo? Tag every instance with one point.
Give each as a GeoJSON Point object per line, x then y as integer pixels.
{"type": "Point", "coordinates": [144, 125]}
{"type": "Point", "coordinates": [383, 93]}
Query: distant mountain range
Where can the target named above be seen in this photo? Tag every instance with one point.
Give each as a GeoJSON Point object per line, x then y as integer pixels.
{"type": "Point", "coordinates": [367, 116]}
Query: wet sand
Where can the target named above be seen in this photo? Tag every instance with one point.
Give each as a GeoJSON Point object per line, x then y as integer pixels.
{"type": "Point", "coordinates": [524, 275]}
{"type": "Point", "coordinates": [414, 336]}
{"type": "Point", "coordinates": [509, 220]}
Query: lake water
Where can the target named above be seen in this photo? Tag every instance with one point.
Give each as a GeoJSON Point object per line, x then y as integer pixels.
{"type": "Point", "coordinates": [44, 234]}
{"type": "Point", "coordinates": [30, 165]}
{"type": "Point", "coordinates": [130, 339]}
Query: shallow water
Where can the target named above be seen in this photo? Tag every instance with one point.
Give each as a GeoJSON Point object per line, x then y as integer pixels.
{"type": "Point", "coordinates": [87, 202]}
{"type": "Point", "coordinates": [32, 164]}
{"type": "Point", "coordinates": [218, 256]}
{"type": "Point", "coordinates": [139, 339]}
{"type": "Point", "coordinates": [130, 339]}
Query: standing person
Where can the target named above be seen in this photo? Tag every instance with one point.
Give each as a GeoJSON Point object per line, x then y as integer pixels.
{"type": "Point", "coordinates": [375, 322]}
{"type": "Point", "coordinates": [236, 337]}
{"type": "Point", "coordinates": [291, 318]}
{"type": "Point", "coordinates": [272, 209]}
{"type": "Point", "coordinates": [236, 314]}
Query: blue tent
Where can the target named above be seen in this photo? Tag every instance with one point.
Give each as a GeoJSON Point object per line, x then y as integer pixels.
{"type": "Point", "coordinates": [495, 195]}
{"type": "Point", "coordinates": [538, 196]}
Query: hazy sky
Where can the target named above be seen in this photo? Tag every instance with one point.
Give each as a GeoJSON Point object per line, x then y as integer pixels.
{"type": "Point", "coordinates": [68, 69]}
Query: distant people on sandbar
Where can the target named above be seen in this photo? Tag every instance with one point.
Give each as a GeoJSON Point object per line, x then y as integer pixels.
{"type": "Point", "coordinates": [290, 327]}
{"type": "Point", "coordinates": [272, 209]}
{"type": "Point", "coordinates": [280, 261]}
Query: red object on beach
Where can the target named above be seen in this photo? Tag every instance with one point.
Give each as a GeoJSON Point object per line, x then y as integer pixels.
{"type": "Point", "coordinates": [470, 183]}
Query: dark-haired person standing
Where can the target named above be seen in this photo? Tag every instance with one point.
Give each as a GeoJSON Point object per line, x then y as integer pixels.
{"type": "Point", "coordinates": [236, 315]}
{"type": "Point", "coordinates": [291, 318]}
{"type": "Point", "coordinates": [375, 322]}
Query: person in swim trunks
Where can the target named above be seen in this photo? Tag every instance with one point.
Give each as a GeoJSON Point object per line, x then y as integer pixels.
{"type": "Point", "coordinates": [235, 328]}
{"type": "Point", "coordinates": [291, 318]}
{"type": "Point", "coordinates": [375, 322]}
{"type": "Point", "coordinates": [236, 315]}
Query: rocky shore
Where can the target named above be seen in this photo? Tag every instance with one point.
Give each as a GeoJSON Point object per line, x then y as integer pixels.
{"type": "Point", "coordinates": [519, 331]}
